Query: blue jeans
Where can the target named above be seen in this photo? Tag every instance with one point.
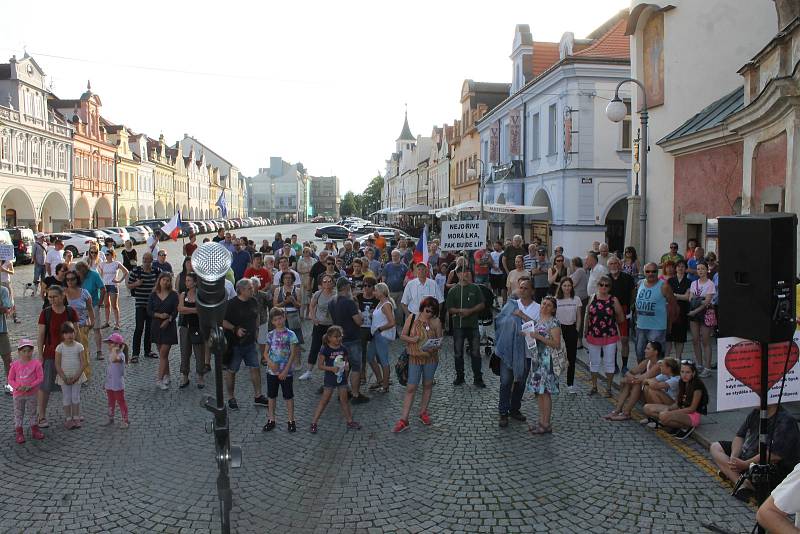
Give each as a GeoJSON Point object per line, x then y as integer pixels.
{"type": "Point", "coordinates": [424, 373]}
{"type": "Point", "coordinates": [643, 335]}
{"type": "Point", "coordinates": [354, 352]}
{"type": "Point", "coordinates": [39, 272]}
{"type": "Point", "coordinates": [378, 346]}
{"type": "Point", "coordinates": [511, 392]}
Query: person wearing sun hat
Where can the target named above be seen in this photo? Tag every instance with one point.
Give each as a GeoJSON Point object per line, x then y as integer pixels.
{"type": "Point", "coordinates": [115, 378]}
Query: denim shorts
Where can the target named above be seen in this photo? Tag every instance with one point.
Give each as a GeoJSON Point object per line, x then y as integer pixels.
{"type": "Point", "coordinates": [378, 347]}
{"type": "Point", "coordinates": [246, 353]}
{"type": "Point", "coordinates": [354, 351]}
{"type": "Point", "coordinates": [424, 372]}
{"type": "Point", "coordinates": [111, 289]}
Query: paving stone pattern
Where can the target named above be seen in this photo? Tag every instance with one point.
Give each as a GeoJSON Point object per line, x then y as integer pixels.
{"type": "Point", "coordinates": [462, 474]}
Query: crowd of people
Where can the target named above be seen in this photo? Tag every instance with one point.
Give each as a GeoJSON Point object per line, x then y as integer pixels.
{"type": "Point", "coordinates": [358, 300]}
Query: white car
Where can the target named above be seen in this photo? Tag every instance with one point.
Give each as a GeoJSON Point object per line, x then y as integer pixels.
{"type": "Point", "coordinates": [118, 233]}
{"type": "Point", "coordinates": [76, 243]}
{"type": "Point", "coordinates": [138, 234]}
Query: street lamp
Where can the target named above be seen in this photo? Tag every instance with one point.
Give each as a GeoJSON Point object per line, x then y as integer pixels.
{"type": "Point", "coordinates": [616, 111]}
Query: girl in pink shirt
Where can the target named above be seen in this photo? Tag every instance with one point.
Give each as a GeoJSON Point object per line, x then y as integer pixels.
{"type": "Point", "coordinates": [25, 376]}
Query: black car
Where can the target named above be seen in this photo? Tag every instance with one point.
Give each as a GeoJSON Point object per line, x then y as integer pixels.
{"type": "Point", "coordinates": [22, 238]}
{"type": "Point", "coordinates": [333, 231]}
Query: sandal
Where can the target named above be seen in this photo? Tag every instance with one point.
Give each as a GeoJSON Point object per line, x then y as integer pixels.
{"type": "Point", "coordinates": [539, 429]}
{"type": "Point", "coordinates": [620, 417]}
{"type": "Point", "coordinates": [611, 415]}
{"type": "Point", "coordinates": [44, 423]}
{"type": "Point", "coordinates": [135, 359]}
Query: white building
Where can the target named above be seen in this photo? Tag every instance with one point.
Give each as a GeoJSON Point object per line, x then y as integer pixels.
{"type": "Point", "coordinates": [145, 171]}
{"type": "Point", "coordinates": [687, 54]}
{"type": "Point", "coordinates": [439, 167]}
{"type": "Point", "coordinates": [231, 180]}
{"type": "Point", "coordinates": [279, 191]}
{"type": "Point", "coordinates": [550, 144]}
{"type": "Point", "coordinates": [35, 151]}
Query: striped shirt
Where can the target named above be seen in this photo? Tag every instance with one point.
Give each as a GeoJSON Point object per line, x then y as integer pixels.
{"type": "Point", "coordinates": [142, 292]}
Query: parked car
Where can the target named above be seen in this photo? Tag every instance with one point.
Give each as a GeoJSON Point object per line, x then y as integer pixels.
{"type": "Point", "coordinates": [78, 244]}
{"type": "Point", "coordinates": [332, 231]}
{"type": "Point", "coordinates": [22, 238]}
{"type": "Point", "coordinates": [118, 233]}
{"type": "Point", "coordinates": [138, 234]}
{"type": "Point", "coordinates": [98, 235]}
{"type": "Point", "coordinates": [202, 226]}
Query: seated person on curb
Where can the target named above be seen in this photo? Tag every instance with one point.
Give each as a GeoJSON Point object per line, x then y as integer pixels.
{"type": "Point", "coordinates": [734, 458]}
{"type": "Point", "coordinates": [683, 414]}
{"type": "Point", "coordinates": [663, 388]}
{"type": "Point", "coordinates": [633, 382]}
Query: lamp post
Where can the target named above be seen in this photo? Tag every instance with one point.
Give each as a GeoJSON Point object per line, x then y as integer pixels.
{"type": "Point", "coordinates": [471, 173]}
{"type": "Point", "coordinates": [616, 111]}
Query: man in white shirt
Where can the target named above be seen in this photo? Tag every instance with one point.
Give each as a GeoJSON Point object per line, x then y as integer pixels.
{"type": "Point", "coordinates": [283, 267]}
{"type": "Point", "coordinates": [595, 270]}
{"type": "Point", "coordinates": [419, 288]}
{"type": "Point", "coordinates": [785, 500]}
{"type": "Point", "coordinates": [55, 255]}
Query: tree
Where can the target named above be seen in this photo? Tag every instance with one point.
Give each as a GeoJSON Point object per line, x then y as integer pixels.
{"type": "Point", "coordinates": [349, 205]}
{"type": "Point", "coordinates": [371, 197]}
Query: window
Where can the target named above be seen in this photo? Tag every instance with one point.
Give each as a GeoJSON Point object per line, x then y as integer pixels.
{"type": "Point", "coordinates": [5, 146]}
{"type": "Point", "coordinates": [48, 156]}
{"type": "Point", "coordinates": [35, 153]}
{"type": "Point", "coordinates": [535, 142]}
{"type": "Point", "coordinates": [626, 142]}
{"type": "Point", "coordinates": [21, 150]}
{"type": "Point", "coordinates": [62, 158]}
{"type": "Point", "coordinates": [552, 129]}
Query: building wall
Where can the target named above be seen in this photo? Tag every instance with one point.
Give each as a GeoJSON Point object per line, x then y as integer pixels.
{"type": "Point", "coordinates": [707, 185]}
{"type": "Point", "coordinates": [769, 173]}
{"type": "Point", "coordinates": [704, 45]}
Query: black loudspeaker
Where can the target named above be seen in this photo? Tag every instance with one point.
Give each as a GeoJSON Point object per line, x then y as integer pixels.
{"type": "Point", "coordinates": [758, 264]}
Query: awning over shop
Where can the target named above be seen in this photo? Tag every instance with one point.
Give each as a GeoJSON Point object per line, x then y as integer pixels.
{"type": "Point", "coordinates": [473, 206]}
{"type": "Point", "coordinates": [417, 209]}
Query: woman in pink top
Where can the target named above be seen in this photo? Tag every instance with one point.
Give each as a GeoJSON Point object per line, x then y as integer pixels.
{"type": "Point", "coordinates": [24, 376]}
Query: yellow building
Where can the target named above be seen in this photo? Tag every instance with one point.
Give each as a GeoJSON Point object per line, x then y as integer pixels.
{"type": "Point", "coordinates": [127, 172]}
{"type": "Point", "coordinates": [213, 191]}
{"type": "Point", "coordinates": [164, 187]}
{"type": "Point", "coordinates": [180, 193]}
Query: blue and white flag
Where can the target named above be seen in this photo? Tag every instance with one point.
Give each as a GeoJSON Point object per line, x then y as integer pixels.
{"type": "Point", "coordinates": [223, 207]}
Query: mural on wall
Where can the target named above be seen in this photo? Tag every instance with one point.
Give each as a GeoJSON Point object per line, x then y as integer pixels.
{"type": "Point", "coordinates": [653, 59]}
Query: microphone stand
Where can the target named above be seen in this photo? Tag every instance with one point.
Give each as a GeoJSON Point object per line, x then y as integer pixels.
{"type": "Point", "coordinates": [226, 456]}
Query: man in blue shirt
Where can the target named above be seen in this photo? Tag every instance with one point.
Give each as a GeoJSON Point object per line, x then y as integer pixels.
{"type": "Point", "coordinates": [93, 283]}
{"type": "Point", "coordinates": [691, 264]}
{"type": "Point", "coordinates": [240, 259]}
{"type": "Point", "coordinates": [394, 276]}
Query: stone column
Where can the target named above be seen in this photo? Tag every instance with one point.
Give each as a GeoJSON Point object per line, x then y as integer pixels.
{"type": "Point", "coordinates": [632, 226]}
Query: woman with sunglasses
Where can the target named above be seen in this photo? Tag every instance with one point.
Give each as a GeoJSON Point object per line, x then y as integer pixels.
{"type": "Point", "coordinates": [109, 270]}
{"type": "Point", "coordinates": [543, 380]}
{"type": "Point", "coordinates": [421, 364]}
{"type": "Point", "coordinates": [556, 273]}
{"type": "Point", "coordinates": [683, 415]}
{"type": "Point", "coordinates": [320, 314]}
{"type": "Point", "coordinates": [92, 258]}
{"type": "Point", "coordinates": [603, 314]}
{"type": "Point", "coordinates": [630, 262]}
{"type": "Point", "coordinates": [702, 318]}
{"type": "Point", "coordinates": [80, 300]}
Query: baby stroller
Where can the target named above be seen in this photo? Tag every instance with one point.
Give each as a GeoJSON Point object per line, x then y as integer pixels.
{"type": "Point", "coordinates": [485, 319]}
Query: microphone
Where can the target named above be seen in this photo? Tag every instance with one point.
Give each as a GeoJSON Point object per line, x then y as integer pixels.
{"type": "Point", "coordinates": [211, 262]}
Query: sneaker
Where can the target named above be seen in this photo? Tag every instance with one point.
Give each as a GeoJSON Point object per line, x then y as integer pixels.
{"type": "Point", "coordinates": [313, 428]}
{"type": "Point", "coordinates": [36, 433]}
{"type": "Point", "coordinates": [160, 384]}
{"type": "Point", "coordinates": [361, 399]}
{"type": "Point", "coordinates": [8, 389]}
{"type": "Point", "coordinates": [517, 416]}
{"type": "Point", "coordinates": [166, 379]}
{"type": "Point", "coordinates": [233, 405]}
{"type": "Point", "coordinates": [684, 433]}
{"type": "Point", "coordinates": [261, 400]}
{"type": "Point", "coordinates": [124, 424]}
{"type": "Point", "coordinates": [572, 390]}
{"type": "Point", "coordinates": [20, 435]}
{"type": "Point", "coordinates": [269, 426]}
{"type": "Point", "coordinates": [353, 425]}
{"type": "Point", "coordinates": [503, 421]}
{"type": "Point", "coordinates": [425, 418]}
{"type": "Point", "coordinates": [400, 426]}
{"type": "Point", "coordinates": [458, 381]}
{"type": "Point", "coordinates": [292, 426]}
{"type": "Point", "coordinates": [108, 421]}
{"type": "Point", "coordinates": [68, 424]}
{"type": "Point", "coordinates": [479, 384]}
{"type": "Point", "coordinates": [305, 376]}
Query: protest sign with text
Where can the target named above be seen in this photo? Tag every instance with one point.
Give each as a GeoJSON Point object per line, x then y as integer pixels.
{"type": "Point", "coordinates": [463, 235]}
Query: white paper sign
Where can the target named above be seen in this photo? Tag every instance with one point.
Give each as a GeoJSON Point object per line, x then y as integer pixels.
{"type": "Point", "coordinates": [6, 252]}
{"type": "Point", "coordinates": [432, 344]}
{"type": "Point", "coordinates": [740, 364]}
{"type": "Point", "coordinates": [463, 235]}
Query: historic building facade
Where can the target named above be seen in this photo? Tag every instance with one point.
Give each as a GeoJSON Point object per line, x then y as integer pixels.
{"type": "Point", "coordinates": [279, 191]}
{"type": "Point", "coordinates": [164, 177]}
{"type": "Point", "coordinates": [126, 204]}
{"type": "Point", "coordinates": [324, 195]}
{"type": "Point", "coordinates": [145, 172]}
{"type": "Point", "coordinates": [35, 151]}
{"type": "Point", "coordinates": [230, 181]}
{"type": "Point", "coordinates": [92, 160]}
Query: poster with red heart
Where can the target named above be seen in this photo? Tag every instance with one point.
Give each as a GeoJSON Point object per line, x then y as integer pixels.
{"type": "Point", "coordinates": [739, 372]}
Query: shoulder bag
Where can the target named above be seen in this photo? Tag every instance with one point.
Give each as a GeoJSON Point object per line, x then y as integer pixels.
{"type": "Point", "coordinates": [401, 366]}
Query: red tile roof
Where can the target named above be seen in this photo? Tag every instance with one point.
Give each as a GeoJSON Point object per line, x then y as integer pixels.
{"type": "Point", "coordinates": [545, 55]}
{"type": "Point", "coordinates": [613, 44]}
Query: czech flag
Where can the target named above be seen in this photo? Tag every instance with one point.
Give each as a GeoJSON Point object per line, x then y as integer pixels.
{"type": "Point", "coordinates": [421, 250]}
{"type": "Point", "coordinates": [173, 226]}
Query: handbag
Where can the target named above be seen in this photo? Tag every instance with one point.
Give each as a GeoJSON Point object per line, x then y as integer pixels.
{"type": "Point", "coordinates": [401, 366]}
{"type": "Point", "coordinates": [293, 320]}
{"type": "Point", "coordinates": [494, 364]}
{"type": "Point", "coordinates": [558, 358]}
{"type": "Point", "coordinates": [710, 318]}
{"type": "Point", "coordinates": [194, 336]}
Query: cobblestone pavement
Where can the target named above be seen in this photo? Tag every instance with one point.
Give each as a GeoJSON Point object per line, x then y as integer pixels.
{"type": "Point", "coordinates": [462, 474]}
